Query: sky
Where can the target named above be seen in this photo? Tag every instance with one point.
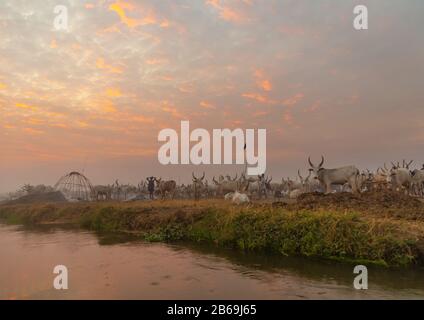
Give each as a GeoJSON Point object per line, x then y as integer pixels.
{"type": "Point", "coordinates": [94, 97]}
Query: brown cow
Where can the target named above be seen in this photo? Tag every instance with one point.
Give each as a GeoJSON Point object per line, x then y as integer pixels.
{"type": "Point", "coordinates": [166, 186]}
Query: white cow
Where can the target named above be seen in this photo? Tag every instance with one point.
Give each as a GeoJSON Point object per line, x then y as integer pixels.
{"type": "Point", "coordinates": [340, 176]}
{"type": "Point", "coordinates": [417, 182]}
{"type": "Point", "coordinates": [240, 198]}
{"type": "Point", "coordinates": [400, 178]}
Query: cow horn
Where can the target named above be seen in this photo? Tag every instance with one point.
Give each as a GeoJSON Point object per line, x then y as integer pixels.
{"type": "Point", "coordinates": [310, 162]}
{"type": "Point", "coordinates": [322, 162]}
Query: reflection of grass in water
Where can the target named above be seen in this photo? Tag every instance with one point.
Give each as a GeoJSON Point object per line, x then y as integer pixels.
{"type": "Point", "coordinates": [333, 234]}
{"type": "Point", "coordinates": [111, 238]}
{"type": "Point", "coordinates": [313, 268]}
{"type": "Point", "coordinates": [14, 219]}
{"type": "Point", "coordinates": [309, 268]}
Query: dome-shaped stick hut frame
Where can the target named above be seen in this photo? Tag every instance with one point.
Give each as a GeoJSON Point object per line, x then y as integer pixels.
{"type": "Point", "coordinates": [75, 187]}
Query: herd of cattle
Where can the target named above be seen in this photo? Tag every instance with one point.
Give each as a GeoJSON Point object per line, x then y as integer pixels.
{"type": "Point", "coordinates": [241, 188]}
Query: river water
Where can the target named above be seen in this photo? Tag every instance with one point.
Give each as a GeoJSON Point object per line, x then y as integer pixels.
{"type": "Point", "coordinates": [115, 267]}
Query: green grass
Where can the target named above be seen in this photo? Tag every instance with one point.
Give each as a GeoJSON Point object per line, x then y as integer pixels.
{"type": "Point", "coordinates": [340, 235]}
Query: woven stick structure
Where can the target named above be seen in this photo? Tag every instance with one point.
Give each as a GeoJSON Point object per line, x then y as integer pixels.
{"type": "Point", "coordinates": [75, 187]}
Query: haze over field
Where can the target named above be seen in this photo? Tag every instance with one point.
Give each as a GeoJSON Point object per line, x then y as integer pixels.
{"type": "Point", "coordinates": [95, 97]}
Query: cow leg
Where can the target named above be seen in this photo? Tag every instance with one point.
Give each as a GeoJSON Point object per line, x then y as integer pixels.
{"type": "Point", "coordinates": [354, 184]}
{"type": "Point", "coordinates": [328, 188]}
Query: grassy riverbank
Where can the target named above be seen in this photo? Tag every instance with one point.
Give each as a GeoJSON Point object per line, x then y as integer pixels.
{"type": "Point", "coordinates": [346, 235]}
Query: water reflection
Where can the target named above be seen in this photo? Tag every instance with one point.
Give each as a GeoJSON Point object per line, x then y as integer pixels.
{"type": "Point", "coordinates": [116, 266]}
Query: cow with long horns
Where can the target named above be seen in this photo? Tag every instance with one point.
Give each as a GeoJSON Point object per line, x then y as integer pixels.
{"type": "Point", "coordinates": [339, 176]}
{"type": "Point", "coordinates": [198, 185]}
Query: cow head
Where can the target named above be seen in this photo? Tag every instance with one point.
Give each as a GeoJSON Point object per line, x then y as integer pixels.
{"type": "Point", "coordinates": [315, 169]}
{"type": "Point", "coordinates": [304, 180]}
{"type": "Point", "coordinates": [268, 183]}
{"type": "Point", "coordinates": [396, 166]}
{"type": "Point", "coordinates": [216, 182]}
{"type": "Point", "coordinates": [197, 180]}
{"type": "Point", "coordinates": [406, 165]}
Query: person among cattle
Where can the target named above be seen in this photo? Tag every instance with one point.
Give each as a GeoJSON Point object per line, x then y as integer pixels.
{"type": "Point", "coordinates": [151, 187]}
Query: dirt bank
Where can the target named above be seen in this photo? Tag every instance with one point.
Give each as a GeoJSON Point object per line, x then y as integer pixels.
{"type": "Point", "coordinates": [382, 204]}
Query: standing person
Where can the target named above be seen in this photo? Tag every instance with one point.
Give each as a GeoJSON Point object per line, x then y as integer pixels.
{"type": "Point", "coordinates": [151, 187]}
